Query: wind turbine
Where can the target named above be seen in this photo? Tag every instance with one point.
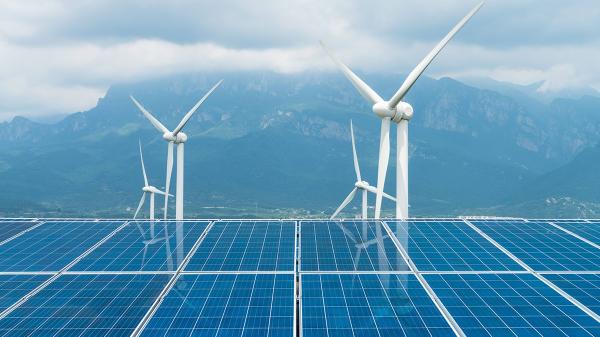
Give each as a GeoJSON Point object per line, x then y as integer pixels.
{"type": "Point", "coordinates": [179, 138]}
{"type": "Point", "coordinates": [358, 185]}
{"type": "Point", "coordinates": [397, 111]}
{"type": "Point", "coordinates": [147, 189]}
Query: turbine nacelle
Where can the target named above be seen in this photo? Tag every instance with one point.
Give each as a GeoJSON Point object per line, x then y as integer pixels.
{"type": "Point", "coordinates": [363, 185]}
{"type": "Point", "coordinates": [401, 111]}
{"type": "Point", "coordinates": [179, 138]}
{"type": "Point", "coordinates": [150, 189]}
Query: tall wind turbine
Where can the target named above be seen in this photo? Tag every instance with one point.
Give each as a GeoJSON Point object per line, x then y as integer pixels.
{"type": "Point", "coordinates": [358, 185]}
{"type": "Point", "coordinates": [397, 111]}
{"type": "Point", "coordinates": [179, 138]}
{"type": "Point", "coordinates": [147, 189]}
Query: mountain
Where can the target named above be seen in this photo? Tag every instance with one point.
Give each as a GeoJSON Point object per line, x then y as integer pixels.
{"type": "Point", "coordinates": [268, 144]}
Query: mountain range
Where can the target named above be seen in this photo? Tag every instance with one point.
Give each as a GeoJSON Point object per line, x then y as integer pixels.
{"type": "Point", "coordinates": [278, 145]}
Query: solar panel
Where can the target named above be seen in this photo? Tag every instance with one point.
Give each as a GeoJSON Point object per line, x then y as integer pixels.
{"type": "Point", "coordinates": [589, 231]}
{"type": "Point", "coordinates": [509, 305]}
{"type": "Point", "coordinates": [348, 246]}
{"type": "Point", "coordinates": [53, 245]}
{"type": "Point", "coordinates": [14, 287]}
{"type": "Point", "coordinates": [9, 229]}
{"type": "Point", "coordinates": [542, 246]}
{"type": "Point", "coordinates": [583, 287]}
{"type": "Point", "coordinates": [368, 305]}
{"type": "Point", "coordinates": [246, 246]}
{"type": "Point", "coordinates": [449, 246]}
{"type": "Point", "coordinates": [144, 246]}
{"type": "Point", "coordinates": [85, 305]}
{"type": "Point", "coordinates": [226, 305]}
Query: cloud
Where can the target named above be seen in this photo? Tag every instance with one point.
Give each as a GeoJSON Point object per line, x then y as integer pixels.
{"type": "Point", "coordinates": [60, 56]}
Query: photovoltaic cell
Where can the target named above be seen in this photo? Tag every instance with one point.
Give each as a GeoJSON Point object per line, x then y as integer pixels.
{"type": "Point", "coordinates": [246, 246]}
{"type": "Point", "coordinates": [14, 287]}
{"type": "Point", "coordinates": [144, 246]}
{"type": "Point", "coordinates": [53, 245]}
{"type": "Point", "coordinates": [586, 230]}
{"type": "Point", "coordinates": [542, 246]}
{"type": "Point", "coordinates": [226, 305]}
{"type": "Point", "coordinates": [449, 246]}
{"type": "Point", "coordinates": [368, 305]}
{"type": "Point", "coordinates": [85, 305]}
{"type": "Point", "coordinates": [348, 246]}
{"type": "Point", "coordinates": [509, 305]}
{"type": "Point", "coordinates": [9, 229]}
{"type": "Point", "coordinates": [583, 287]}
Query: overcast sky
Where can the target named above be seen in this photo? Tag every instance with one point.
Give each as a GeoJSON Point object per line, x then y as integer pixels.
{"type": "Point", "coordinates": [60, 56]}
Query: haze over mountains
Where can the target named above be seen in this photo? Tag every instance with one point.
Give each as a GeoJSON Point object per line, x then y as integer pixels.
{"type": "Point", "coordinates": [268, 144]}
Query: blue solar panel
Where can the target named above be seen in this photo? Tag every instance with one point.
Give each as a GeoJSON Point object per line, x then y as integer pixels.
{"type": "Point", "coordinates": [53, 245]}
{"type": "Point", "coordinates": [9, 229]}
{"type": "Point", "coordinates": [583, 287]}
{"type": "Point", "coordinates": [368, 305]}
{"type": "Point", "coordinates": [509, 305]}
{"type": "Point", "coordinates": [449, 246]}
{"type": "Point", "coordinates": [14, 287]}
{"type": "Point", "coordinates": [542, 246]}
{"type": "Point", "coordinates": [246, 246]}
{"type": "Point", "coordinates": [85, 305]}
{"type": "Point", "coordinates": [348, 246]}
{"type": "Point", "coordinates": [226, 305]}
{"type": "Point", "coordinates": [590, 231]}
{"type": "Point", "coordinates": [144, 246]}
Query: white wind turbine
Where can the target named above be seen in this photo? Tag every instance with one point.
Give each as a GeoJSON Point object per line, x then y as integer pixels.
{"type": "Point", "coordinates": [400, 113]}
{"type": "Point", "coordinates": [175, 137]}
{"type": "Point", "coordinates": [359, 184]}
{"type": "Point", "coordinates": [147, 189]}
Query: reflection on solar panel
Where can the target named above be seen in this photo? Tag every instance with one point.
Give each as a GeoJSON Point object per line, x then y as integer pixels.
{"type": "Point", "coordinates": [52, 246]}
{"type": "Point", "coordinates": [510, 305]}
{"type": "Point", "coordinates": [583, 287]}
{"type": "Point", "coordinates": [348, 246]}
{"type": "Point", "coordinates": [450, 246]}
{"type": "Point", "coordinates": [14, 287]}
{"type": "Point", "coordinates": [85, 305]}
{"type": "Point", "coordinates": [226, 305]}
{"type": "Point", "coordinates": [9, 229]}
{"type": "Point", "coordinates": [144, 246]}
{"type": "Point", "coordinates": [590, 231]}
{"type": "Point", "coordinates": [246, 246]}
{"type": "Point", "coordinates": [542, 246]}
{"type": "Point", "coordinates": [368, 305]}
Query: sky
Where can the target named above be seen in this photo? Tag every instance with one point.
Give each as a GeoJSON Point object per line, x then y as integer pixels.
{"type": "Point", "coordinates": [60, 56]}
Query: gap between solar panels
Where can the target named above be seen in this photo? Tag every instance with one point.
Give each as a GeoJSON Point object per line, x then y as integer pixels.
{"type": "Point", "coordinates": [60, 272]}
{"type": "Point", "coordinates": [573, 234]}
{"type": "Point", "coordinates": [142, 324]}
{"type": "Point", "coordinates": [535, 273]}
{"type": "Point", "coordinates": [23, 232]}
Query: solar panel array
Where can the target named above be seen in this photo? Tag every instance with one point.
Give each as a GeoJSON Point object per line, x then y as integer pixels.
{"type": "Point", "coordinates": [423, 277]}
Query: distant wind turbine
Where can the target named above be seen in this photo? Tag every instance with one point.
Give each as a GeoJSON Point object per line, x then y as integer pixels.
{"type": "Point", "coordinates": [397, 111]}
{"type": "Point", "coordinates": [359, 184]}
{"type": "Point", "coordinates": [175, 137]}
{"type": "Point", "coordinates": [147, 189]}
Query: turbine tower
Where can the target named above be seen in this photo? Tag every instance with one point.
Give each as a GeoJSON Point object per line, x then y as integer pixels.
{"type": "Point", "coordinates": [179, 138]}
{"type": "Point", "coordinates": [397, 111]}
{"type": "Point", "coordinates": [147, 189]}
{"type": "Point", "coordinates": [358, 185]}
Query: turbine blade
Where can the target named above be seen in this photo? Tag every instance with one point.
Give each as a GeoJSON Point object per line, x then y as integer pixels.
{"type": "Point", "coordinates": [157, 124]}
{"type": "Point", "coordinates": [169, 171]}
{"type": "Point", "coordinates": [345, 202]}
{"type": "Point", "coordinates": [366, 91]}
{"type": "Point", "coordinates": [374, 191]}
{"type": "Point", "coordinates": [420, 68]}
{"type": "Point", "coordinates": [189, 114]}
{"type": "Point", "coordinates": [356, 167]}
{"type": "Point", "coordinates": [387, 196]}
{"type": "Point", "coordinates": [140, 205]}
{"type": "Point", "coordinates": [143, 168]}
{"type": "Point", "coordinates": [384, 157]}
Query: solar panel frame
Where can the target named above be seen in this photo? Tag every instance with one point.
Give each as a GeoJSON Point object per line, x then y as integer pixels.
{"type": "Point", "coordinates": [450, 246]}
{"type": "Point", "coordinates": [583, 287]}
{"type": "Point", "coordinates": [586, 231]}
{"type": "Point", "coordinates": [13, 287]}
{"type": "Point", "coordinates": [29, 225]}
{"type": "Point", "coordinates": [128, 249]}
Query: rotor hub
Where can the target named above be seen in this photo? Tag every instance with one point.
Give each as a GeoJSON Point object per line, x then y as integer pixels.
{"type": "Point", "coordinates": [402, 111]}
{"type": "Point", "coordinates": [361, 185]}
{"type": "Point", "coordinates": [179, 138]}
